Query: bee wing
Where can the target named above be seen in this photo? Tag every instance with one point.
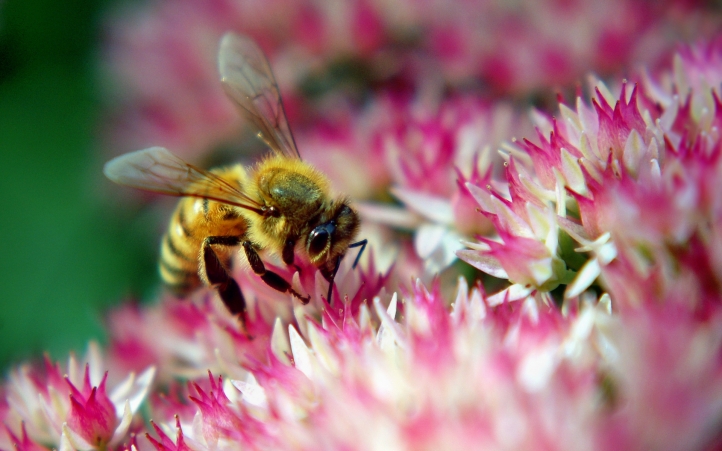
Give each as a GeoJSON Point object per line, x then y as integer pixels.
{"type": "Point", "coordinates": [249, 82]}
{"type": "Point", "coordinates": [157, 169]}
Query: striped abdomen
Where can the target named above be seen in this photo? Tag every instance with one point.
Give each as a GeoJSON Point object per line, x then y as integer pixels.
{"type": "Point", "coordinates": [194, 220]}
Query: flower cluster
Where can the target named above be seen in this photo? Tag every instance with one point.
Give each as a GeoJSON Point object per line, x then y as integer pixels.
{"type": "Point", "coordinates": [426, 381]}
{"type": "Point", "coordinates": [161, 54]}
{"type": "Point", "coordinates": [544, 283]}
{"type": "Point", "coordinates": [76, 407]}
{"type": "Point", "coordinates": [419, 156]}
{"type": "Point", "coordinates": [627, 178]}
{"type": "Point", "coordinates": [187, 339]}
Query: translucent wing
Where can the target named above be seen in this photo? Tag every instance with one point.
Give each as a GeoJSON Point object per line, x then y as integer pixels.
{"type": "Point", "coordinates": [249, 82]}
{"type": "Point", "coordinates": [156, 169]}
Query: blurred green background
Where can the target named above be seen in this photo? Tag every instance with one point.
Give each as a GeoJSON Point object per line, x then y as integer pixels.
{"type": "Point", "coordinates": [67, 252]}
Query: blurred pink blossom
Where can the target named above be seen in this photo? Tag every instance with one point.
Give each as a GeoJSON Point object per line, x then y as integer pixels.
{"type": "Point", "coordinates": [160, 54]}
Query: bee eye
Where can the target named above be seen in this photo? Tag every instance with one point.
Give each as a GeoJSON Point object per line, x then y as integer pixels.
{"type": "Point", "coordinates": [319, 239]}
{"type": "Point", "coordinates": [318, 242]}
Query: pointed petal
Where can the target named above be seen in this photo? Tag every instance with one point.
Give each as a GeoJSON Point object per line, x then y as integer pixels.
{"type": "Point", "coordinates": [484, 263]}
{"type": "Point", "coordinates": [511, 293]}
{"type": "Point", "coordinates": [301, 353]}
{"type": "Point", "coordinates": [322, 350]}
{"type": "Point", "coordinates": [253, 393]}
{"type": "Point", "coordinates": [279, 343]}
{"type": "Point", "coordinates": [75, 441]}
{"type": "Point", "coordinates": [388, 334]}
{"type": "Point", "coordinates": [584, 279]}
{"type": "Point", "coordinates": [122, 429]}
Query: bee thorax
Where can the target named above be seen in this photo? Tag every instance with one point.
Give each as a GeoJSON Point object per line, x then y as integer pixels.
{"type": "Point", "coordinates": [292, 194]}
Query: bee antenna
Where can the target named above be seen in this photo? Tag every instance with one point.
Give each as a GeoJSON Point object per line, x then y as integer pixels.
{"type": "Point", "coordinates": [361, 243]}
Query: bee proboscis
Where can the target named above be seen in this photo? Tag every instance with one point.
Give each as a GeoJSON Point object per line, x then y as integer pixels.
{"type": "Point", "coordinates": [282, 205]}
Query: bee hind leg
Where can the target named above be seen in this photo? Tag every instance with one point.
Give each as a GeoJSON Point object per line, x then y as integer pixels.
{"type": "Point", "coordinates": [219, 277]}
{"type": "Point", "coordinates": [271, 278]}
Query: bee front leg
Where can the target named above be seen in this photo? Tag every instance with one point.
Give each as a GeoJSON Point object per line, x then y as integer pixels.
{"type": "Point", "coordinates": [219, 277]}
{"type": "Point", "coordinates": [271, 278]}
{"type": "Point", "coordinates": [329, 272]}
{"type": "Point", "coordinates": [288, 254]}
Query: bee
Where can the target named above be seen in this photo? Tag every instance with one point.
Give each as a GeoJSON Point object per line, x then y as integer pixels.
{"type": "Point", "coordinates": [281, 206]}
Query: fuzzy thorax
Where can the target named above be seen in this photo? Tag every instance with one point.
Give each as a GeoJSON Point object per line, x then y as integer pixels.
{"type": "Point", "coordinates": [292, 194]}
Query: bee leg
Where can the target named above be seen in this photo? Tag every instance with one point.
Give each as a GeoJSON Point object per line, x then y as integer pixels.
{"type": "Point", "coordinates": [219, 277]}
{"type": "Point", "coordinates": [271, 278]}
{"type": "Point", "coordinates": [288, 255]}
{"type": "Point", "coordinates": [330, 277]}
{"type": "Point", "coordinates": [330, 274]}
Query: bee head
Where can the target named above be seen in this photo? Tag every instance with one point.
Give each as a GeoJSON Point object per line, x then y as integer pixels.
{"type": "Point", "coordinates": [331, 237]}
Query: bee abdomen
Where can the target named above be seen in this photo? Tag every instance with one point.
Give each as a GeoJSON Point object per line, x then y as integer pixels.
{"type": "Point", "coordinates": [178, 274]}
{"type": "Point", "coordinates": [178, 264]}
{"type": "Point", "coordinates": [170, 248]}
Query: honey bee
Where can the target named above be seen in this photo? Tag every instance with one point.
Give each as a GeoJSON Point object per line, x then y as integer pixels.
{"type": "Point", "coordinates": [281, 206]}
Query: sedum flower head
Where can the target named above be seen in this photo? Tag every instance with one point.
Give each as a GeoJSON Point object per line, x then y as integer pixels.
{"type": "Point", "coordinates": [72, 408]}
{"type": "Point", "coordinates": [434, 379]}
{"type": "Point", "coordinates": [188, 339]}
{"type": "Point", "coordinates": [627, 173]}
{"type": "Point", "coordinates": [421, 157]}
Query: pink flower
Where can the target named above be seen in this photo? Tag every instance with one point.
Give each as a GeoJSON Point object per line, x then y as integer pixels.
{"type": "Point", "coordinates": [423, 150]}
{"type": "Point", "coordinates": [76, 409]}
{"type": "Point", "coordinates": [92, 414]}
{"type": "Point", "coordinates": [171, 95]}
{"type": "Point", "coordinates": [664, 355]}
{"type": "Point", "coordinates": [8, 440]}
{"type": "Point", "coordinates": [186, 339]}
{"type": "Point", "coordinates": [160, 55]}
{"type": "Point", "coordinates": [527, 249]}
{"type": "Point", "coordinates": [418, 383]}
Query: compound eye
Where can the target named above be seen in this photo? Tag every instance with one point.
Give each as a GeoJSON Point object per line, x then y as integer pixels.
{"type": "Point", "coordinates": [318, 242]}
{"type": "Point", "coordinates": [319, 239]}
